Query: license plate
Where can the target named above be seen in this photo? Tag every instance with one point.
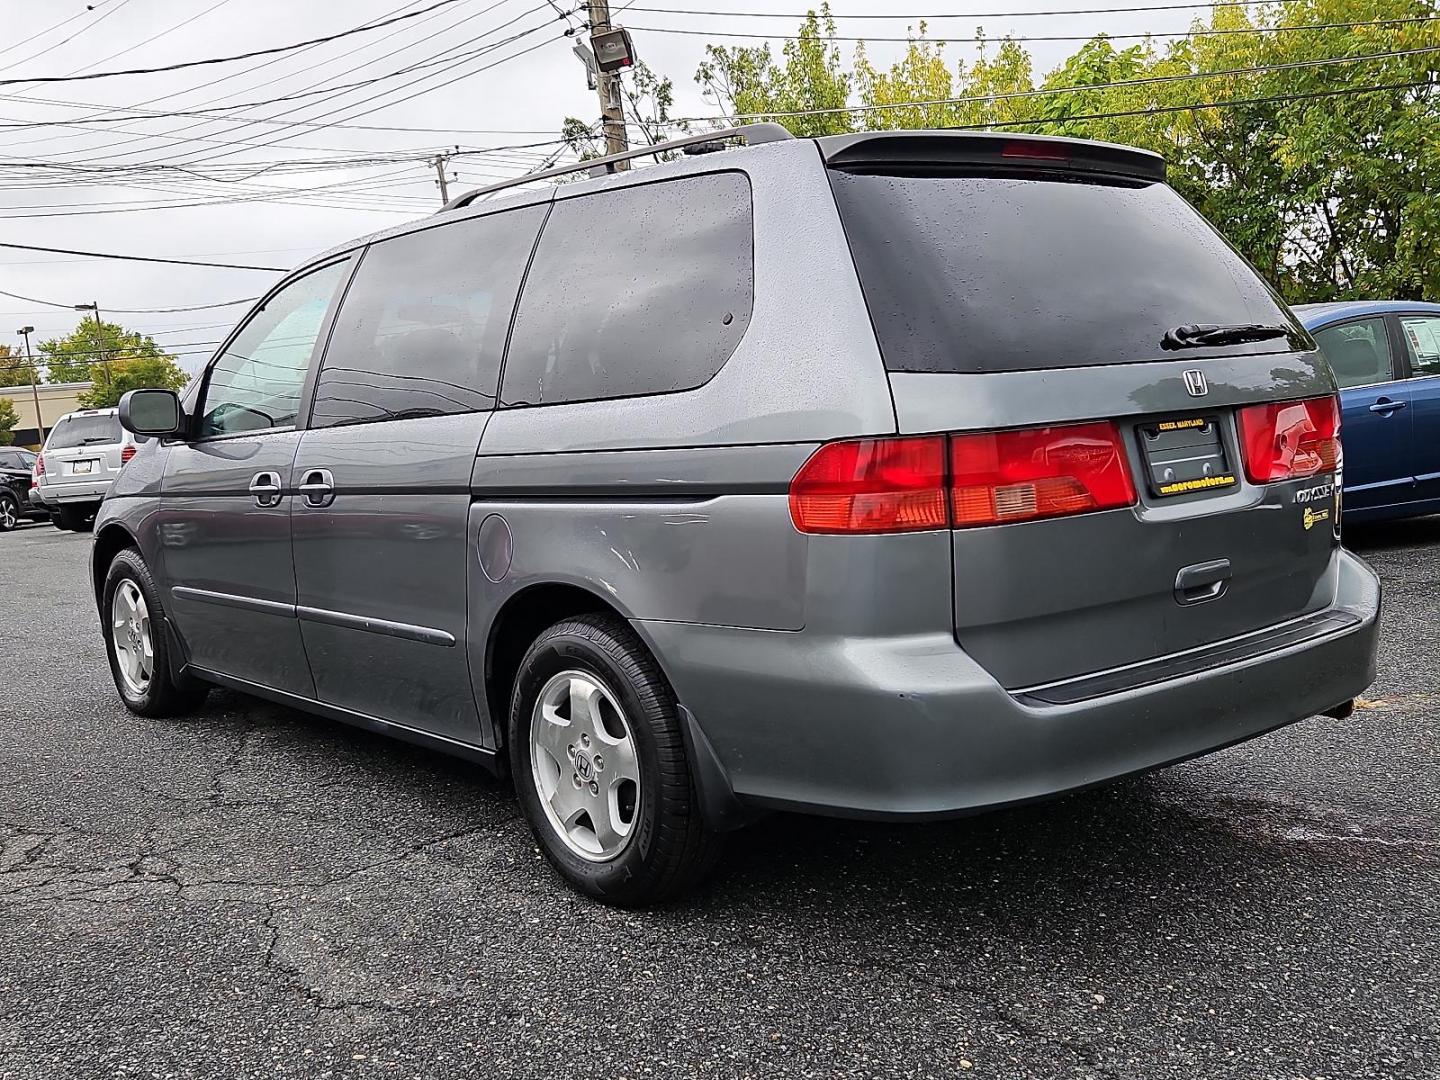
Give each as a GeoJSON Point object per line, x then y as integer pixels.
{"type": "Point", "coordinates": [1185, 455]}
{"type": "Point", "coordinates": [83, 467]}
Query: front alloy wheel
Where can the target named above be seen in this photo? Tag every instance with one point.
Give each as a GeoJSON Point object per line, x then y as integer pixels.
{"type": "Point", "coordinates": [130, 633]}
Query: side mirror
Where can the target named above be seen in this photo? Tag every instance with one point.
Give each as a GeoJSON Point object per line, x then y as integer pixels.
{"type": "Point", "coordinates": [151, 412]}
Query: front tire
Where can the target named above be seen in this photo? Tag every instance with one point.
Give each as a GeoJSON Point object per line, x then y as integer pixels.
{"type": "Point", "coordinates": [600, 769]}
{"type": "Point", "coordinates": [137, 645]}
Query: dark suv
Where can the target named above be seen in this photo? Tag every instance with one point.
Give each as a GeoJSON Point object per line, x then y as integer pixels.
{"type": "Point", "coordinates": [893, 475]}
{"type": "Point", "coordinates": [17, 468]}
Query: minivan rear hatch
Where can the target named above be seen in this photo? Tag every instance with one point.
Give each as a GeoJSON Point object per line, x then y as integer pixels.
{"type": "Point", "coordinates": [1061, 312]}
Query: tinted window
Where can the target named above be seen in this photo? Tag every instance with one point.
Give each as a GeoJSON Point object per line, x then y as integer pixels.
{"type": "Point", "coordinates": [1422, 339]}
{"type": "Point", "coordinates": [255, 383]}
{"type": "Point", "coordinates": [1357, 352]}
{"type": "Point", "coordinates": [83, 431]}
{"type": "Point", "coordinates": [9, 459]}
{"type": "Point", "coordinates": [423, 324]}
{"type": "Point", "coordinates": [642, 290]}
{"type": "Point", "coordinates": [985, 273]}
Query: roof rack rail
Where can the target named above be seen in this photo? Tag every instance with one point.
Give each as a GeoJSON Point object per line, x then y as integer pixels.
{"type": "Point", "coordinates": [752, 134]}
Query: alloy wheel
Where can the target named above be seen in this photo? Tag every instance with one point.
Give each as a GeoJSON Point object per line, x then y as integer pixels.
{"type": "Point", "coordinates": [585, 765]}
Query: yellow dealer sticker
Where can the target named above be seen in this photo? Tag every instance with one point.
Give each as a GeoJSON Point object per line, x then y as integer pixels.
{"type": "Point", "coordinates": [1180, 425]}
{"type": "Point", "coordinates": [1204, 483]}
{"type": "Point", "coordinates": [1314, 517]}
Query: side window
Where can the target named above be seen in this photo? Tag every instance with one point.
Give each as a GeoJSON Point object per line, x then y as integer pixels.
{"type": "Point", "coordinates": [423, 325]}
{"type": "Point", "coordinates": [255, 383]}
{"type": "Point", "coordinates": [641, 290]}
{"type": "Point", "coordinates": [1422, 340]}
{"type": "Point", "coordinates": [1358, 352]}
{"type": "Point", "coordinates": [9, 460]}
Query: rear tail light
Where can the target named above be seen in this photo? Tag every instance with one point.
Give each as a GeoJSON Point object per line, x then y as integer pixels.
{"type": "Point", "coordinates": [1284, 440]}
{"type": "Point", "coordinates": [126, 453]}
{"type": "Point", "coordinates": [872, 486]}
{"type": "Point", "coordinates": [957, 481]}
{"type": "Point", "coordinates": [40, 465]}
{"type": "Point", "coordinates": [1044, 472]}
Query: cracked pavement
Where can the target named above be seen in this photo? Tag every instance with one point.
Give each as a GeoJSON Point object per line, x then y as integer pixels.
{"type": "Point", "coordinates": [253, 892]}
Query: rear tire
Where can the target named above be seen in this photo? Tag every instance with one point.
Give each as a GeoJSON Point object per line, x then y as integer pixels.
{"type": "Point", "coordinates": [666, 848]}
{"type": "Point", "coordinates": [69, 518]}
{"type": "Point", "coordinates": [133, 623]}
{"type": "Point", "coordinates": [10, 512]}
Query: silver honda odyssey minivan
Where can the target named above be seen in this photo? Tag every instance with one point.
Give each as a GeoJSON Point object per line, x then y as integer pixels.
{"type": "Point", "coordinates": [893, 475]}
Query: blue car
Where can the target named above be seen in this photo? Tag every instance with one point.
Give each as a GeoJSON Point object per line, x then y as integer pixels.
{"type": "Point", "coordinates": [1386, 358]}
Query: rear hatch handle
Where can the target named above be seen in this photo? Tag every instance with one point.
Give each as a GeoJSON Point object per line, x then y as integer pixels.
{"type": "Point", "coordinates": [1201, 582]}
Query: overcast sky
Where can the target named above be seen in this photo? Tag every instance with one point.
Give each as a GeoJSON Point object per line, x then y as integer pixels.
{"type": "Point", "coordinates": [518, 101]}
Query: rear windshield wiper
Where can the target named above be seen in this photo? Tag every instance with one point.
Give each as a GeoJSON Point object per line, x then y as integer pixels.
{"type": "Point", "coordinates": [1198, 335]}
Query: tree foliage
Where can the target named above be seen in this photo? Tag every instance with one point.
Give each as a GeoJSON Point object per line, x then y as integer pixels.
{"type": "Point", "coordinates": [9, 417]}
{"type": "Point", "coordinates": [14, 371]}
{"type": "Point", "coordinates": [1329, 185]}
{"type": "Point", "coordinates": [112, 359]}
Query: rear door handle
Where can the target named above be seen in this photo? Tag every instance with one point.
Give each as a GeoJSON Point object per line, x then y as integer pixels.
{"type": "Point", "coordinates": [317, 488]}
{"type": "Point", "coordinates": [1201, 582]}
{"type": "Point", "coordinates": [265, 489]}
{"type": "Point", "coordinates": [1387, 406]}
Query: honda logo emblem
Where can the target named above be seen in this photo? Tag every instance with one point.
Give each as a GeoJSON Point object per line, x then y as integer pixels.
{"type": "Point", "coordinates": [1195, 383]}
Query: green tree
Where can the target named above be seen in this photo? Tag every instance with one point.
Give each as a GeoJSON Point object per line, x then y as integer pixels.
{"type": "Point", "coordinates": [14, 371]}
{"type": "Point", "coordinates": [112, 359]}
{"type": "Point", "coordinates": [1326, 176]}
{"type": "Point", "coordinates": [8, 419]}
{"type": "Point", "coordinates": [746, 80]}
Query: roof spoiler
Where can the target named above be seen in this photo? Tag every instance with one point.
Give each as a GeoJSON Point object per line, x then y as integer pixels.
{"type": "Point", "coordinates": [879, 150]}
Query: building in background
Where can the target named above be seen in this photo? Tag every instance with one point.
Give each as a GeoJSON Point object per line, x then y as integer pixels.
{"type": "Point", "coordinates": [56, 399]}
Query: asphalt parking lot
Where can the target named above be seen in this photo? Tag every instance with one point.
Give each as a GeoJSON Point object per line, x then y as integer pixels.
{"type": "Point", "coordinates": [252, 892]}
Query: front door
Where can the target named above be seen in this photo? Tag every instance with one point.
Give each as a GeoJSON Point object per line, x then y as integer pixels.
{"type": "Point", "coordinates": [1420, 334]}
{"type": "Point", "coordinates": [1375, 406]}
{"type": "Point", "coordinates": [382, 549]}
{"type": "Point", "coordinates": [224, 524]}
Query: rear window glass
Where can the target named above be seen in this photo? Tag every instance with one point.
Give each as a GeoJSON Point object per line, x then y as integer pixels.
{"type": "Point", "coordinates": [641, 290]}
{"type": "Point", "coordinates": [1358, 352]}
{"type": "Point", "coordinates": [966, 273]}
{"type": "Point", "coordinates": [84, 431]}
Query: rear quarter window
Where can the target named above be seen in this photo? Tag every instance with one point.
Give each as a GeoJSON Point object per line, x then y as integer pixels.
{"type": "Point", "coordinates": [976, 273]}
{"type": "Point", "coordinates": [640, 290]}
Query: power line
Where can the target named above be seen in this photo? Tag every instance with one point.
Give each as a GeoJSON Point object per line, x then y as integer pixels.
{"type": "Point", "coordinates": [955, 15]}
{"type": "Point", "coordinates": [1148, 80]}
{"type": "Point", "coordinates": [55, 26]}
{"type": "Point", "coordinates": [229, 59]}
{"type": "Point", "coordinates": [1045, 37]}
{"type": "Point", "coordinates": [142, 258]}
{"type": "Point", "coordinates": [134, 311]}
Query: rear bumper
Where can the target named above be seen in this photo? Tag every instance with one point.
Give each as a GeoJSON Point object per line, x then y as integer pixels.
{"type": "Point", "coordinates": [90, 491]}
{"type": "Point", "coordinates": [911, 727]}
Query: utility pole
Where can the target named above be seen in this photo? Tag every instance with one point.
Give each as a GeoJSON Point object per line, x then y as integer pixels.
{"type": "Point", "coordinates": [607, 86]}
{"type": "Point", "coordinates": [443, 181]}
{"type": "Point", "coordinates": [94, 306]}
{"type": "Point", "coordinates": [25, 332]}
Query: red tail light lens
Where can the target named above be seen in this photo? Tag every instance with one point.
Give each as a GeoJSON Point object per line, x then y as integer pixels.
{"type": "Point", "coordinates": [1007, 476]}
{"type": "Point", "coordinates": [958, 481]}
{"type": "Point", "coordinates": [126, 453]}
{"type": "Point", "coordinates": [40, 465]}
{"type": "Point", "coordinates": [1284, 440]}
{"type": "Point", "coordinates": [872, 486]}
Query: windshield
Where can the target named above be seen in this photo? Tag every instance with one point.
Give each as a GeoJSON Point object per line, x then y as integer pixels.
{"type": "Point", "coordinates": [83, 431]}
{"type": "Point", "coordinates": [967, 273]}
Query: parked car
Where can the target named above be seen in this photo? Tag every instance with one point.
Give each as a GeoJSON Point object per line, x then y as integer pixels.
{"type": "Point", "coordinates": [893, 475]}
{"type": "Point", "coordinates": [82, 455]}
{"type": "Point", "coordinates": [16, 467]}
{"type": "Point", "coordinates": [1386, 357]}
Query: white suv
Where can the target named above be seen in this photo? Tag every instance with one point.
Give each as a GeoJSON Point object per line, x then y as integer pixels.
{"type": "Point", "coordinates": [80, 460]}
